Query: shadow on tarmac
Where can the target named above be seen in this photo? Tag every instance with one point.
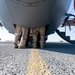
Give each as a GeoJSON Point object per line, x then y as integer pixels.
{"type": "Point", "coordinates": [53, 46]}
{"type": "Point", "coordinates": [60, 47]}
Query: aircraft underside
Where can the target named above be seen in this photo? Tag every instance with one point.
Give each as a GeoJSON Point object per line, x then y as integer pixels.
{"type": "Point", "coordinates": [33, 14]}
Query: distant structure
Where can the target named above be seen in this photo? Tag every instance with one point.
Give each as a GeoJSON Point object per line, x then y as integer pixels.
{"type": "Point", "coordinates": [1, 24]}
{"type": "Point", "coordinates": [61, 41]}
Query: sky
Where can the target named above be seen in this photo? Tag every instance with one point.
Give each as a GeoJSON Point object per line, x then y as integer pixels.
{"type": "Point", "coordinates": [5, 36]}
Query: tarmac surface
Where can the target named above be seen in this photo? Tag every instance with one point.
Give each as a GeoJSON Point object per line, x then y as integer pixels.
{"type": "Point", "coordinates": [54, 59]}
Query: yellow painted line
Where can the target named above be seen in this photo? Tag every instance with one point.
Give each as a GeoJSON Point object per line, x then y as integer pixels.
{"type": "Point", "coordinates": [36, 65]}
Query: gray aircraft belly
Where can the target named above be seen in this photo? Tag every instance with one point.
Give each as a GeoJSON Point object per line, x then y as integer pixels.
{"type": "Point", "coordinates": [33, 13]}
{"type": "Point", "coordinates": [5, 16]}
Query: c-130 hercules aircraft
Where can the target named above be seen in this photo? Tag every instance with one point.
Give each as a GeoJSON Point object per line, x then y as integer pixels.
{"type": "Point", "coordinates": [36, 13]}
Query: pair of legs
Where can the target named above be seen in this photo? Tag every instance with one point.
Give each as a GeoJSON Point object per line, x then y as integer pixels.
{"type": "Point", "coordinates": [42, 36]}
{"type": "Point", "coordinates": [18, 31]}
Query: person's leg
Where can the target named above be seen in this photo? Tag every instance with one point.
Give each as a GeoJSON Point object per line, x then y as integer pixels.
{"type": "Point", "coordinates": [35, 38]}
{"type": "Point", "coordinates": [38, 42]}
{"type": "Point", "coordinates": [27, 38]}
{"type": "Point", "coordinates": [17, 35]}
{"type": "Point", "coordinates": [42, 36]}
{"type": "Point", "coordinates": [23, 38]}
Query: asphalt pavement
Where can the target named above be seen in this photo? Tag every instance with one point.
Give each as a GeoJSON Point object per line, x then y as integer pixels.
{"type": "Point", "coordinates": [59, 59]}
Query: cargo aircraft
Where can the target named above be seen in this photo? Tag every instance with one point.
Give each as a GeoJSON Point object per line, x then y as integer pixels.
{"type": "Point", "coordinates": [35, 13]}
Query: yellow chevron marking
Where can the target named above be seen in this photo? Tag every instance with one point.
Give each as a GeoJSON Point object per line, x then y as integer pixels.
{"type": "Point", "coordinates": [36, 65]}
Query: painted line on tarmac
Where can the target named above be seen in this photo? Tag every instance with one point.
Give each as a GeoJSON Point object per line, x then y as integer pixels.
{"type": "Point", "coordinates": [36, 65]}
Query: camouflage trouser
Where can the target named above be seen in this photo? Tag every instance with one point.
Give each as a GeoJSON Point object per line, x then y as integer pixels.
{"type": "Point", "coordinates": [42, 36]}
{"type": "Point", "coordinates": [18, 32]}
